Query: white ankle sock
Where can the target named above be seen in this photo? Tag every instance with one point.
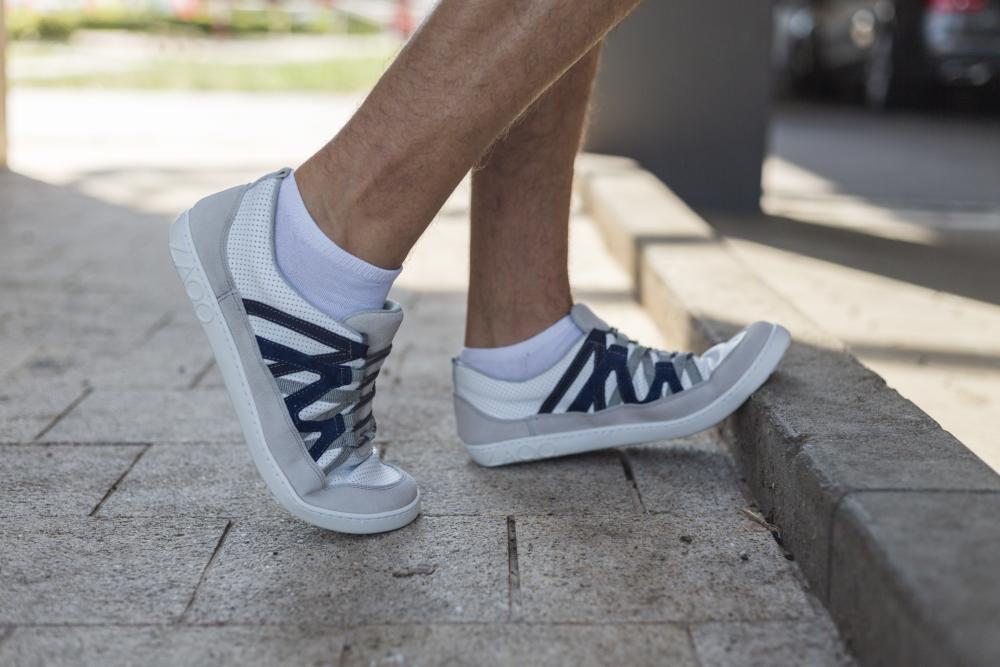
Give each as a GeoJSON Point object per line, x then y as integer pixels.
{"type": "Point", "coordinates": [327, 276]}
{"type": "Point", "coordinates": [523, 361]}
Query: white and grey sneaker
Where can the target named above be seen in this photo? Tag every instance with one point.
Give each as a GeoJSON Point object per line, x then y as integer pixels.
{"type": "Point", "coordinates": [301, 382]}
{"type": "Point", "coordinates": [609, 391]}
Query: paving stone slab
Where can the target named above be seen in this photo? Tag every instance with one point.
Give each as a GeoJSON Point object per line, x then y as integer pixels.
{"type": "Point", "coordinates": [211, 379]}
{"type": "Point", "coordinates": [520, 644]}
{"type": "Point", "coordinates": [28, 408]}
{"type": "Point", "coordinates": [172, 358]}
{"type": "Point", "coordinates": [436, 569]}
{"type": "Point", "coordinates": [432, 333]}
{"type": "Point", "coordinates": [167, 646]}
{"type": "Point", "coordinates": [193, 480]}
{"type": "Point", "coordinates": [685, 475]}
{"type": "Point", "coordinates": [424, 371]}
{"type": "Point", "coordinates": [150, 416]}
{"type": "Point", "coordinates": [69, 364]}
{"type": "Point", "coordinates": [68, 313]}
{"type": "Point", "coordinates": [93, 571]}
{"type": "Point", "coordinates": [451, 483]}
{"type": "Point", "coordinates": [59, 480]}
{"type": "Point", "coordinates": [711, 565]}
{"type": "Point", "coordinates": [931, 595]}
{"type": "Point", "coordinates": [418, 420]}
{"type": "Point", "coordinates": [14, 351]}
{"type": "Point", "coordinates": [812, 642]}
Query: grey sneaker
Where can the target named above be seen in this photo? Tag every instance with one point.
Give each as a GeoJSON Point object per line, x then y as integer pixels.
{"type": "Point", "coordinates": [609, 391]}
{"type": "Point", "coordinates": [301, 382]}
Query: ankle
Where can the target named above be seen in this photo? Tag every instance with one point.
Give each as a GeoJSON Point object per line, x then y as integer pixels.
{"type": "Point", "coordinates": [332, 279]}
{"type": "Point", "coordinates": [315, 187]}
{"type": "Point", "coordinates": [528, 358]}
{"type": "Point", "coordinates": [336, 204]}
{"type": "Point", "coordinates": [504, 324]}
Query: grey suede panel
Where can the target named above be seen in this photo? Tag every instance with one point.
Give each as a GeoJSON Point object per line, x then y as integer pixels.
{"type": "Point", "coordinates": [365, 500]}
{"type": "Point", "coordinates": [209, 221]}
{"type": "Point", "coordinates": [585, 318]}
{"type": "Point", "coordinates": [474, 427]}
{"type": "Point", "coordinates": [378, 326]}
{"type": "Point", "coordinates": [280, 434]}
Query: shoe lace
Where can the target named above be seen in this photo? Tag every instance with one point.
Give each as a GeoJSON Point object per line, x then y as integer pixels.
{"type": "Point", "coordinates": [354, 405]}
{"type": "Point", "coordinates": [646, 360]}
{"type": "Point", "coordinates": [642, 351]}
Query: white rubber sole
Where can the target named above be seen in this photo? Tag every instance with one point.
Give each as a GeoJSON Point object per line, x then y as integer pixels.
{"type": "Point", "coordinates": [552, 445]}
{"type": "Point", "coordinates": [206, 308]}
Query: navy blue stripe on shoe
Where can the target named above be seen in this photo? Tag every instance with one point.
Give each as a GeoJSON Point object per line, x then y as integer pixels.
{"type": "Point", "coordinates": [330, 376]}
{"type": "Point", "coordinates": [329, 368]}
{"type": "Point", "coordinates": [666, 374]}
{"type": "Point", "coordinates": [609, 359]}
{"type": "Point", "coordinates": [594, 342]}
{"type": "Point", "coordinates": [354, 349]}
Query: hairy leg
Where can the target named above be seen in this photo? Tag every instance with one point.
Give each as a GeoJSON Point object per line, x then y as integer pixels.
{"type": "Point", "coordinates": [471, 69]}
{"type": "Point", "coordinates": [519, 284]}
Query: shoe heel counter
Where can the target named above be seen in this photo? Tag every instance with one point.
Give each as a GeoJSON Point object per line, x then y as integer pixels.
{"type": "Point", "coordinates": [209, 221]}
{"type": "Point", "coordinates": [476, 428]}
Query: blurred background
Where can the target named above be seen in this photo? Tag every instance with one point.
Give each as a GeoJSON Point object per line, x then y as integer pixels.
{"type": "Point", "coordinates": [868, 131]}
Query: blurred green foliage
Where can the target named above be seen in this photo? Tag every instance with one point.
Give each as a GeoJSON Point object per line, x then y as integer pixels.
{"type": "Point", "coordinates": [340, 75]}
{"type": "Point", "coordinates": [23, 24]}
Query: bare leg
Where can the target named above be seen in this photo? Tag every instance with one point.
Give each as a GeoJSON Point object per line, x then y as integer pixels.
{"type": "Point", "coordinates": [519, 283]}
{"type": "Point", "coordinates": [471, 69]}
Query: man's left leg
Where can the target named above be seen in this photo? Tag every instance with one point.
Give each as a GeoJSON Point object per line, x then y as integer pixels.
{"type": "Point", "coordinates": [540, 377]}
{"type": "Point", "coordinates": [519, 284]}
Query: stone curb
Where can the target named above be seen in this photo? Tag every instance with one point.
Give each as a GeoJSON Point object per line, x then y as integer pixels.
{"type": "Point", "coordinates": [892, 520]}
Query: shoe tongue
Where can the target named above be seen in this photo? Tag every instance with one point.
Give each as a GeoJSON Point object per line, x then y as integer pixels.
{"type": "Point", "coordinates": [378, 326]}
{"type": "Point", "coordinates": [585, 318]}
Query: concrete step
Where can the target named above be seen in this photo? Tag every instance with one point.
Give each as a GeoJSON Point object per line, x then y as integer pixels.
{"type": "Point", "coordinates": [888, 515]}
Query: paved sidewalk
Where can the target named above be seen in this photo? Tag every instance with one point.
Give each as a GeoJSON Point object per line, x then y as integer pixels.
{"type": "Point", "coordinates": [132, 521]}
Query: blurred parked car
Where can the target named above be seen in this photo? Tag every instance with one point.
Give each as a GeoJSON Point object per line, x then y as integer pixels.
{"type": "Point", "coordinates": [892, 52]}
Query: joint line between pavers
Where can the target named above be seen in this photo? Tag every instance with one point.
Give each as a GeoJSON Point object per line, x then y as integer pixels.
{"type": "Point", "coordinates": [59, 417]}
{"type": "Point", "coordinates": [157, 326]}
{"type": "Point", "coordinates": [201, 374]}
{"type": "Point", "coordinates": [383, 450]}
{"type": "Point", "coordinates": [342, 656]}
{"type": "Point", "coordinates": [513, 570]}
{"type": "Point", "coordinates": [121, 477]}
{"type": "Point", "coordinates": [692, 645]}
{"type": "Point", "coordinates": [633, 485]}
{"type": "Point", "coordinates": [5, 633]}
{"type": "Point", "coordinates": [204, 573]}
{"type": "Point", "coordinates": [831, 523]}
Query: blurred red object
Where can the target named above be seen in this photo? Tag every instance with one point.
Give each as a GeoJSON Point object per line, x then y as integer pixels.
{"type": "Point", "coordinates": [403, 21]}
{"type": "Point", "coordinates": [956, 6]}
{"type": "Point", "coordinates": [185, 9]}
